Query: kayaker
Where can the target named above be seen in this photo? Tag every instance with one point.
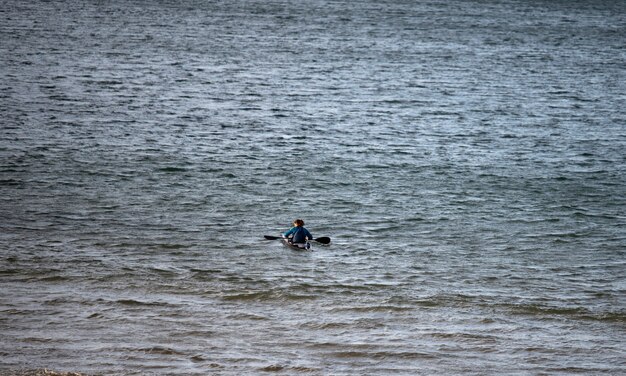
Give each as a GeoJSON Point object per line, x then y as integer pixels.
{"type": "Point", "coordinates": [298, 233]}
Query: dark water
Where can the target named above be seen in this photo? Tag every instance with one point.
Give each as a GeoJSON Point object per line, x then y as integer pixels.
{"type": "Point", "coordinates": [466, 157]}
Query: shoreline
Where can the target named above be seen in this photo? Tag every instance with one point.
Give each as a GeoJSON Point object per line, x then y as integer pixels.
{"type": "Point", "coordinates": [38, 372]}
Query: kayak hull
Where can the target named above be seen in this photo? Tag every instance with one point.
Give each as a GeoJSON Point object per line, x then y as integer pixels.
{"type": "Point", "coordinates": [297, 246]}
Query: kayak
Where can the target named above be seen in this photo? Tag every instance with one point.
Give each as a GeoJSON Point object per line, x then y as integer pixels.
{"type": "Point", "coordinates": [297, 246]}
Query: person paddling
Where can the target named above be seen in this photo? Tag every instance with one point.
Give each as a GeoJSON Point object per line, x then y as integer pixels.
{"type": "Point", "coordinates": [298, 234]}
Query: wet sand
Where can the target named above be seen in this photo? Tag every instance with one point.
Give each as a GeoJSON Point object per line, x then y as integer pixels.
{"type": "Point", "coordinates": [39, 372]}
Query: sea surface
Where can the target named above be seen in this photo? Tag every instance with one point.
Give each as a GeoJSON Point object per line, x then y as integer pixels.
{"type": "Point", "coordinates": [467, 158]}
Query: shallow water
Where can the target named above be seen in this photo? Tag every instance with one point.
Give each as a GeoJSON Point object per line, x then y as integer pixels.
{"type": "Point", "coordinates": [466, 157]}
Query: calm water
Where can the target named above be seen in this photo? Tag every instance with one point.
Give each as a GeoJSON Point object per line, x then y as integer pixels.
{"type": "Point", "coordinates": [466, 157]}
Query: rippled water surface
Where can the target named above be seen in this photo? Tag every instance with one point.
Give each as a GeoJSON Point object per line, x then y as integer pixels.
{"type": "Point", "coordinates": [466, 158]}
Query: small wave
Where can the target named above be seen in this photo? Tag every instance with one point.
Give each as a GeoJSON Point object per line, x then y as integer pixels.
{"type": "Point", "coordinates": [247, 316]}
{"type": "Point", "coordinates": [173, 169]}
{"type": "Point", "coordinates": [267, 296]}
{"type": "Point", "coordinates": [137, 303]}
{"type": "Point", "coordinates": [609, 317]}
{"type": "Point", "coordinates": [580, 313]}
{"type": "Point", "coordinates": [288, 369]}
{"type": "Point", "coordinates": [55, 278]}
{"type": "Point", "coordinates": [172, 246]}
{"type": "Point", "coordinates": [163, 272]}
{"type": "Point", "coordinates": [444, 300]}
{"type": "Point", "coordinates": [412, 355]}
{"type": "Point", "coordinates": [466, 337]}
{"type": "Point", "coordinates": [205, 274]}
{"type": "Point", "coordinates": [375, 308]}
{"type": "Point", "coordinates": [5, 272]}
{"type": "Point", "coordinates": [161, 351]}
{"type": "Point", "coordinates": [38, 340]}
{"type": "Point", "coordinates": [327, 325]}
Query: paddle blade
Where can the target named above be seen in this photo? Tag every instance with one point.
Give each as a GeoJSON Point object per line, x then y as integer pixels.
{"type": "Point", "coordinates": [323, 240]}
{"type": "Point", "coordinates": [269, 237]}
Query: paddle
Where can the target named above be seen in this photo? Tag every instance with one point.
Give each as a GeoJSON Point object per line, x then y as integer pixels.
{"type": "Point", "coordinates": [323, 239]}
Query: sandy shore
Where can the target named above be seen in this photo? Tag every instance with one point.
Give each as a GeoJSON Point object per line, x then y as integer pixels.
{"type": "Point", "coordinates": [39, 372]}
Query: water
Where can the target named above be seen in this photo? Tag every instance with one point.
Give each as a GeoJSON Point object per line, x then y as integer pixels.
{"type": "Point", "coordinates": [466, 157]}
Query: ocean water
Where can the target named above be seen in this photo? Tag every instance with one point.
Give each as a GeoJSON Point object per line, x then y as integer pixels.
{"type": "Point", "coordinates": [467, 158]}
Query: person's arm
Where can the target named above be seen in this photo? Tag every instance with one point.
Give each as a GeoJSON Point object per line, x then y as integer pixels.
{"type": "Point", "coordinates": [289, 232]}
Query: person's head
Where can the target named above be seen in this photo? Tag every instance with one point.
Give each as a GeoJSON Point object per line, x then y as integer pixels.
{"type": "Point", "coordinates": [298, 223]}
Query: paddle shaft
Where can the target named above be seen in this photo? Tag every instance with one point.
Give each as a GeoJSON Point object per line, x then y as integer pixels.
{"type": "Point", "coordinates": [323, 239]}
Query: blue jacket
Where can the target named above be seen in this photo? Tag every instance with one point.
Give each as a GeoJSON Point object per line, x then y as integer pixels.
{"type": "Point", "coordinates": [299, 234]}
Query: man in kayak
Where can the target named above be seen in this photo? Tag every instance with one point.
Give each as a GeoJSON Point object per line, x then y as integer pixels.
{"type": "Point", "coordinates": [298, 233]}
